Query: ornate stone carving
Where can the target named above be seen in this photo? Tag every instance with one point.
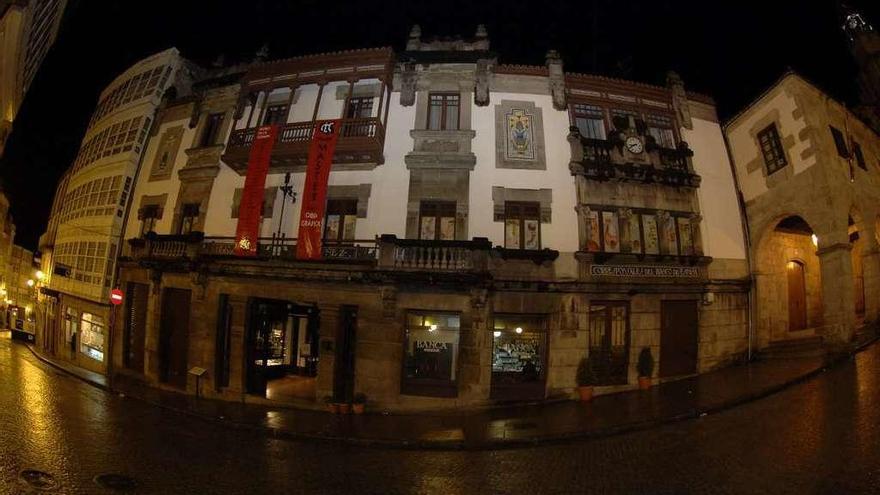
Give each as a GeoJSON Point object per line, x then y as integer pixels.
{"type": "Point", "coordinates": [679, 99]}
{"type": "Point", "coordinates": [389, 301]}
{"type": "Point", "coordinates": [408, 79]}
{"type": "Point", "coordinates": [556, 76]}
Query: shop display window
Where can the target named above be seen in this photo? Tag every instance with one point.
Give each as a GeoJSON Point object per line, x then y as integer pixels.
{"type": "Point", "coordinates": [92, 336]}
{"type": "Point", "coordinates": [431, 353]}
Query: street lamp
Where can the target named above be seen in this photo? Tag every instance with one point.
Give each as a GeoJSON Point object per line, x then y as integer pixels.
{"type": "Point", "coordinates": [40, 275]}
{"type": "Point", "coordinates": [30, 282]}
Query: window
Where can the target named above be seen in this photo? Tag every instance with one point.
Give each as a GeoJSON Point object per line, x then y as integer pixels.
{"type": "Point", "coordinates": [771, 147]}
{"type": "Point", "coordinates": [519, 356]}
{"type": "Point", "coordinates": [341, 219]}
{"type": "Point", "coordinates": [92, 336]}
{"type": "Point", "coordinates": [639, 232]}
{"type": "Point", "coordinates": [839, 141]}
{"type": "Point", "coordinates": [661, 129]}
{"type": "Point", "coordinates": [189, 215]}
{"type": "Point", "coordinates": [359, 108]}
{"type": "Point", "coordinates": [522, 225]}
{"type": "Point", "coordinates": [275, 115]}
{"type": "Point", "coordinates": [609, 341]}
{"type": "Point", "coordinates": [860, 158]}
{"type": "Point", "coordinates": [212, 129]}
{"type": "Point", "coordinates": [431, 354]}
{"type": "Point", "coordinates": [437, 220]}
{"type": "Point", "coordinates": [620, 119]}
{"type": "Point", "coordinates": [443, 111]}
{"type": "Point", "coordinates": [148, 216]}
{"type": "Point", "coordinates": [590, 121]}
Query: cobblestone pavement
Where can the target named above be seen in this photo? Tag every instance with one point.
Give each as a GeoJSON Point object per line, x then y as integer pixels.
{"type": "Point", "coordinates": [822, 436]}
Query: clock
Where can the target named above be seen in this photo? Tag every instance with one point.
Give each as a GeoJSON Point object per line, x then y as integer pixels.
{"type": "Point", "coordinates": [634, 145]}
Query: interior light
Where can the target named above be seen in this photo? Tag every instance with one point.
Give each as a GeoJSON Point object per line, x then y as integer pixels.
{"type": "Point", "coordinates": [30, 283]}
{"type": "Point", "coordinates": [518, 330]}
{"type": "Point", "coordinates": [432, 328]}
{"type": "Point", "coordinates": [40, 275]}
{"type": "Point", "coordinates": [496, 333]}
{"type": "Point", "coordinates": [815, 240]}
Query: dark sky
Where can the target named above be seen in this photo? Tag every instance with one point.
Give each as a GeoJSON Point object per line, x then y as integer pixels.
{"type": "Point", "coordinates": [730, 49]}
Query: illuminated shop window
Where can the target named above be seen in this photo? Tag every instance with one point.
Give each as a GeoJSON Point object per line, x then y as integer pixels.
{"type": "Point", "coordinates": [431, 354]}
{"type": "Point", "coordinates": [92, 336]}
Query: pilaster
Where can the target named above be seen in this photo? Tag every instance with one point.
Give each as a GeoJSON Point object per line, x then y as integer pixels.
{"type": "Point", "coordinates": [838, 300]}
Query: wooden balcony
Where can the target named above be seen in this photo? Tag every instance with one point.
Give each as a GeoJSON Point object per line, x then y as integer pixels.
{"type": "Point", "coordinates": [361, 142]}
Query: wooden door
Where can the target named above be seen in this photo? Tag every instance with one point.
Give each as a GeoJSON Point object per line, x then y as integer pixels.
{"type": "Point", "coordinates": [343, 376]}
{"type": "Point", "coordinates": [797, 297]}
{"type": "Point", "coordinates": [678, 338]}
{"type": "Point", "coordinates": [174, 337]}
{"type": "Point", "coordinates": [135, 326]}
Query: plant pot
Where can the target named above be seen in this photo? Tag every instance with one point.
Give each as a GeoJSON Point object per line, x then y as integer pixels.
{"type": "Point", "coordinates": [344, 408]}
{"type": "Point", "coordinates": [644, 382]}
{"type": "Point", "coordinates": [586, 393]}
{"type": "Point", "coordinates": [358, 408]}
{"type": "Point", "coordinates": [333, 408]}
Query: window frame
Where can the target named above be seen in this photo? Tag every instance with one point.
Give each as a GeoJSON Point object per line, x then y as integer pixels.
{"type": "Point", "coordinates": [211, 130]}
{"type": "Point", "coordinates": [430, 387]}
{"type": "Point", "coordinates": [608, 335]}
{"type": "Point", "coordinates": [344, 208]}
{"type": "Point", "coordinates": [859, 156]}
{"type": "Point", "coordinates": [776, 153]}
{"type": "Point", "coordinates": [840, 142]}
{"type": "Point", "coordinates": [522, 211]}
{"type": "Point", "coordinates": [187, 218]}
{"type": "Point", "coordinates": [273, 112]}
{"type": "Point", "coordinates": [149, 216]}
{"type": "Point", "coordinates": [439, 208]}
{"type": "Point", "coordinates": [444, 98]}
{"type": "Point", "coordinates": [358, 104]}
{"type": "Point", "coordinates": [598, 109]}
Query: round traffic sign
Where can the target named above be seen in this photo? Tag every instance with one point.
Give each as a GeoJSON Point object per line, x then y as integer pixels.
{"type": "Point", "coordinates": [116, 296]}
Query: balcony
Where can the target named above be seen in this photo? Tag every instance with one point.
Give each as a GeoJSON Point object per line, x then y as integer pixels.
{"type": "Point", "coordinates": [361, 142]}
{"type": "Point", "coordinates": [603, 160]}
{"type": "Point", "coordinates": [386, 253]}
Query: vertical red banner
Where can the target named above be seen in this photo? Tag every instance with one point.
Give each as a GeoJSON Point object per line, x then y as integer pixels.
{"type": "Point", "coordinates": [250, 211]}
{"type": "Point", "coordinates": [314, 201]}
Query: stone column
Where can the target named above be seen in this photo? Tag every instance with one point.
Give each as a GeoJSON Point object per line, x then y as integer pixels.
{"type": "Point", "coordinates": [871, 272]}
{"type": "Point", "coordinates": [237, 345]}
{"type": "Point", "coordinates": [475, 350]}
{"type": "Point", "coordinates": [328, 331]}
{"type": "Point", "coordinates": [838, 300]}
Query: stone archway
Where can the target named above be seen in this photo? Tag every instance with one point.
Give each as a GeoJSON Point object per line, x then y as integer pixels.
{"type": "Point", "coordinates": [788, 282]}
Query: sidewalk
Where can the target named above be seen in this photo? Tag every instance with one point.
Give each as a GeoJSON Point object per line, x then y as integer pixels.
{"type": "Point", "coordinates": [498, 428]}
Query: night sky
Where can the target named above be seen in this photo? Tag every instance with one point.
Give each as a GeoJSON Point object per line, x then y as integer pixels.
{"type": "Point", "coordinates": [732, 52]}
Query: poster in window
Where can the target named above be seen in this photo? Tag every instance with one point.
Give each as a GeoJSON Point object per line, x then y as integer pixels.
{"type": "Point", "coordinates": [593, 231]}
{"type": "Point", "coordinates": [348, 227]}
{"type": "Point", "coordinates": [670, 235]}
{"type": "Point", "coordinates": [635, 238]}
{"type": "Point", "coordinates": [612, 237]}
{"type": "Point", "coordinates": [652, 245]}
{"type": "Point", "coordinates": [447, 228]}
{"type": "Point", "coordinates": [428, 228]}
{"type": "Point", "coordinates": [532, 234]}
{"type": "Point", "coordinates": [332, 227]}
{"type": "Point", "coordinates": [511, 233]}
{"type": "Point", "coordinates": [684, 230]}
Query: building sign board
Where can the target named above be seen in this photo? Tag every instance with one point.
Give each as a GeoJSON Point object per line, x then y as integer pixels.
{"type": "Point", "coordinates": [645, 271]}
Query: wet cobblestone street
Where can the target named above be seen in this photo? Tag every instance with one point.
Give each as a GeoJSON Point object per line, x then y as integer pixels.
{"type": "Point", "coordinates": [822, 436]}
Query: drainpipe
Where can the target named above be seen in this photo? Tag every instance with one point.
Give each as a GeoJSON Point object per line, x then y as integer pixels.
{"type": "Point", "coordinates": [744, 221]}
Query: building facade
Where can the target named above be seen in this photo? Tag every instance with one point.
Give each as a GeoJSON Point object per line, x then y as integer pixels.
{"type": "Point", "coordinates": [488, 226]}
{"type": "Point", "coordinates": [28, 29]}
{"type": "Point", "coordinates": [90, 206]}
{"type": "Point", "coordinates": [7, 237]}
{"type": "Point", "coordinates": [21, 294]}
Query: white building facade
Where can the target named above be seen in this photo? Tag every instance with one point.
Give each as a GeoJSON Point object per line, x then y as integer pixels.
{"type": "Point", "coordinates": [487, 227]}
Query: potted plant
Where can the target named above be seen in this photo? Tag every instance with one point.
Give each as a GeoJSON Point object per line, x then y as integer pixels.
{"type": "Point", "coordinates": [586, 378]}
{"type": "Point", "coordinates": [645, 368]}
{"type": "Point", "coordinates": [332, 407]}
{"type": "Point", "coordinates": [358, 403]}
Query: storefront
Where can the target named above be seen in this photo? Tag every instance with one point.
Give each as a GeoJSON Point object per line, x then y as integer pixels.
{"type": "Point", "coordinates": [519, 357]}
{"type": "Point", "coordinates": [431, 354]}
{"type": "Point", "coordinates": [22, 323]}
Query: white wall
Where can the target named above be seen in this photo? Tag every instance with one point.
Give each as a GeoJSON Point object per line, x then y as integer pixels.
{"type": "Point", "coordinates": [721, 227]}
{"type": "Point", "coordinates": [561, 233]}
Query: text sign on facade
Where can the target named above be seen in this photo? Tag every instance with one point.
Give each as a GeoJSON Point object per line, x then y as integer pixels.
{"type": "Point", "coordinates": [641, 271]}
{"type": "Point", "coordinates": [116, 297]}
{"type": "Point", "coordinates": [250, 211]}
{"type": "Point", "coordinates": [311, 219]}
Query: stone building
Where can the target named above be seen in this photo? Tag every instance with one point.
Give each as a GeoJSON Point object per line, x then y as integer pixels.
{"type": "Point", "coordinates": [28, 29]}
{"type": "Point", "coordinates": [807, 169]}
{"type": "Point", "coordinates": [487, 227]}
{"type": "Point", "coordinates": [7, 238]}
{"type": "Point", "coordinates": [90, 206]}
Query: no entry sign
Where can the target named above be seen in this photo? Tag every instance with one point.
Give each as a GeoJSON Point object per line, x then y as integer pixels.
{"type": "Point", "coordinates": [116, 297]}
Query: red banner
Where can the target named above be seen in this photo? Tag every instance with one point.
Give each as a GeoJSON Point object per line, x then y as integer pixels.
{"type": "Point", "coordinates": [250, 211]}
{"type": "Point", "coordinates": [314, 201]}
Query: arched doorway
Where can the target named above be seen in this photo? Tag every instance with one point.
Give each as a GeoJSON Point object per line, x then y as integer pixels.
{"type": "Point", "coordinates": [797, 296]}
{"type": "Point", "coordinates": [788, 282]}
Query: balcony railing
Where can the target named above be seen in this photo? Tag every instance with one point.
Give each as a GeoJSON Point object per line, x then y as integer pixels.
{"type": "Point", "coordinates": [386, 253]}
{"type": "Point", "coordinates": [360, 141]}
